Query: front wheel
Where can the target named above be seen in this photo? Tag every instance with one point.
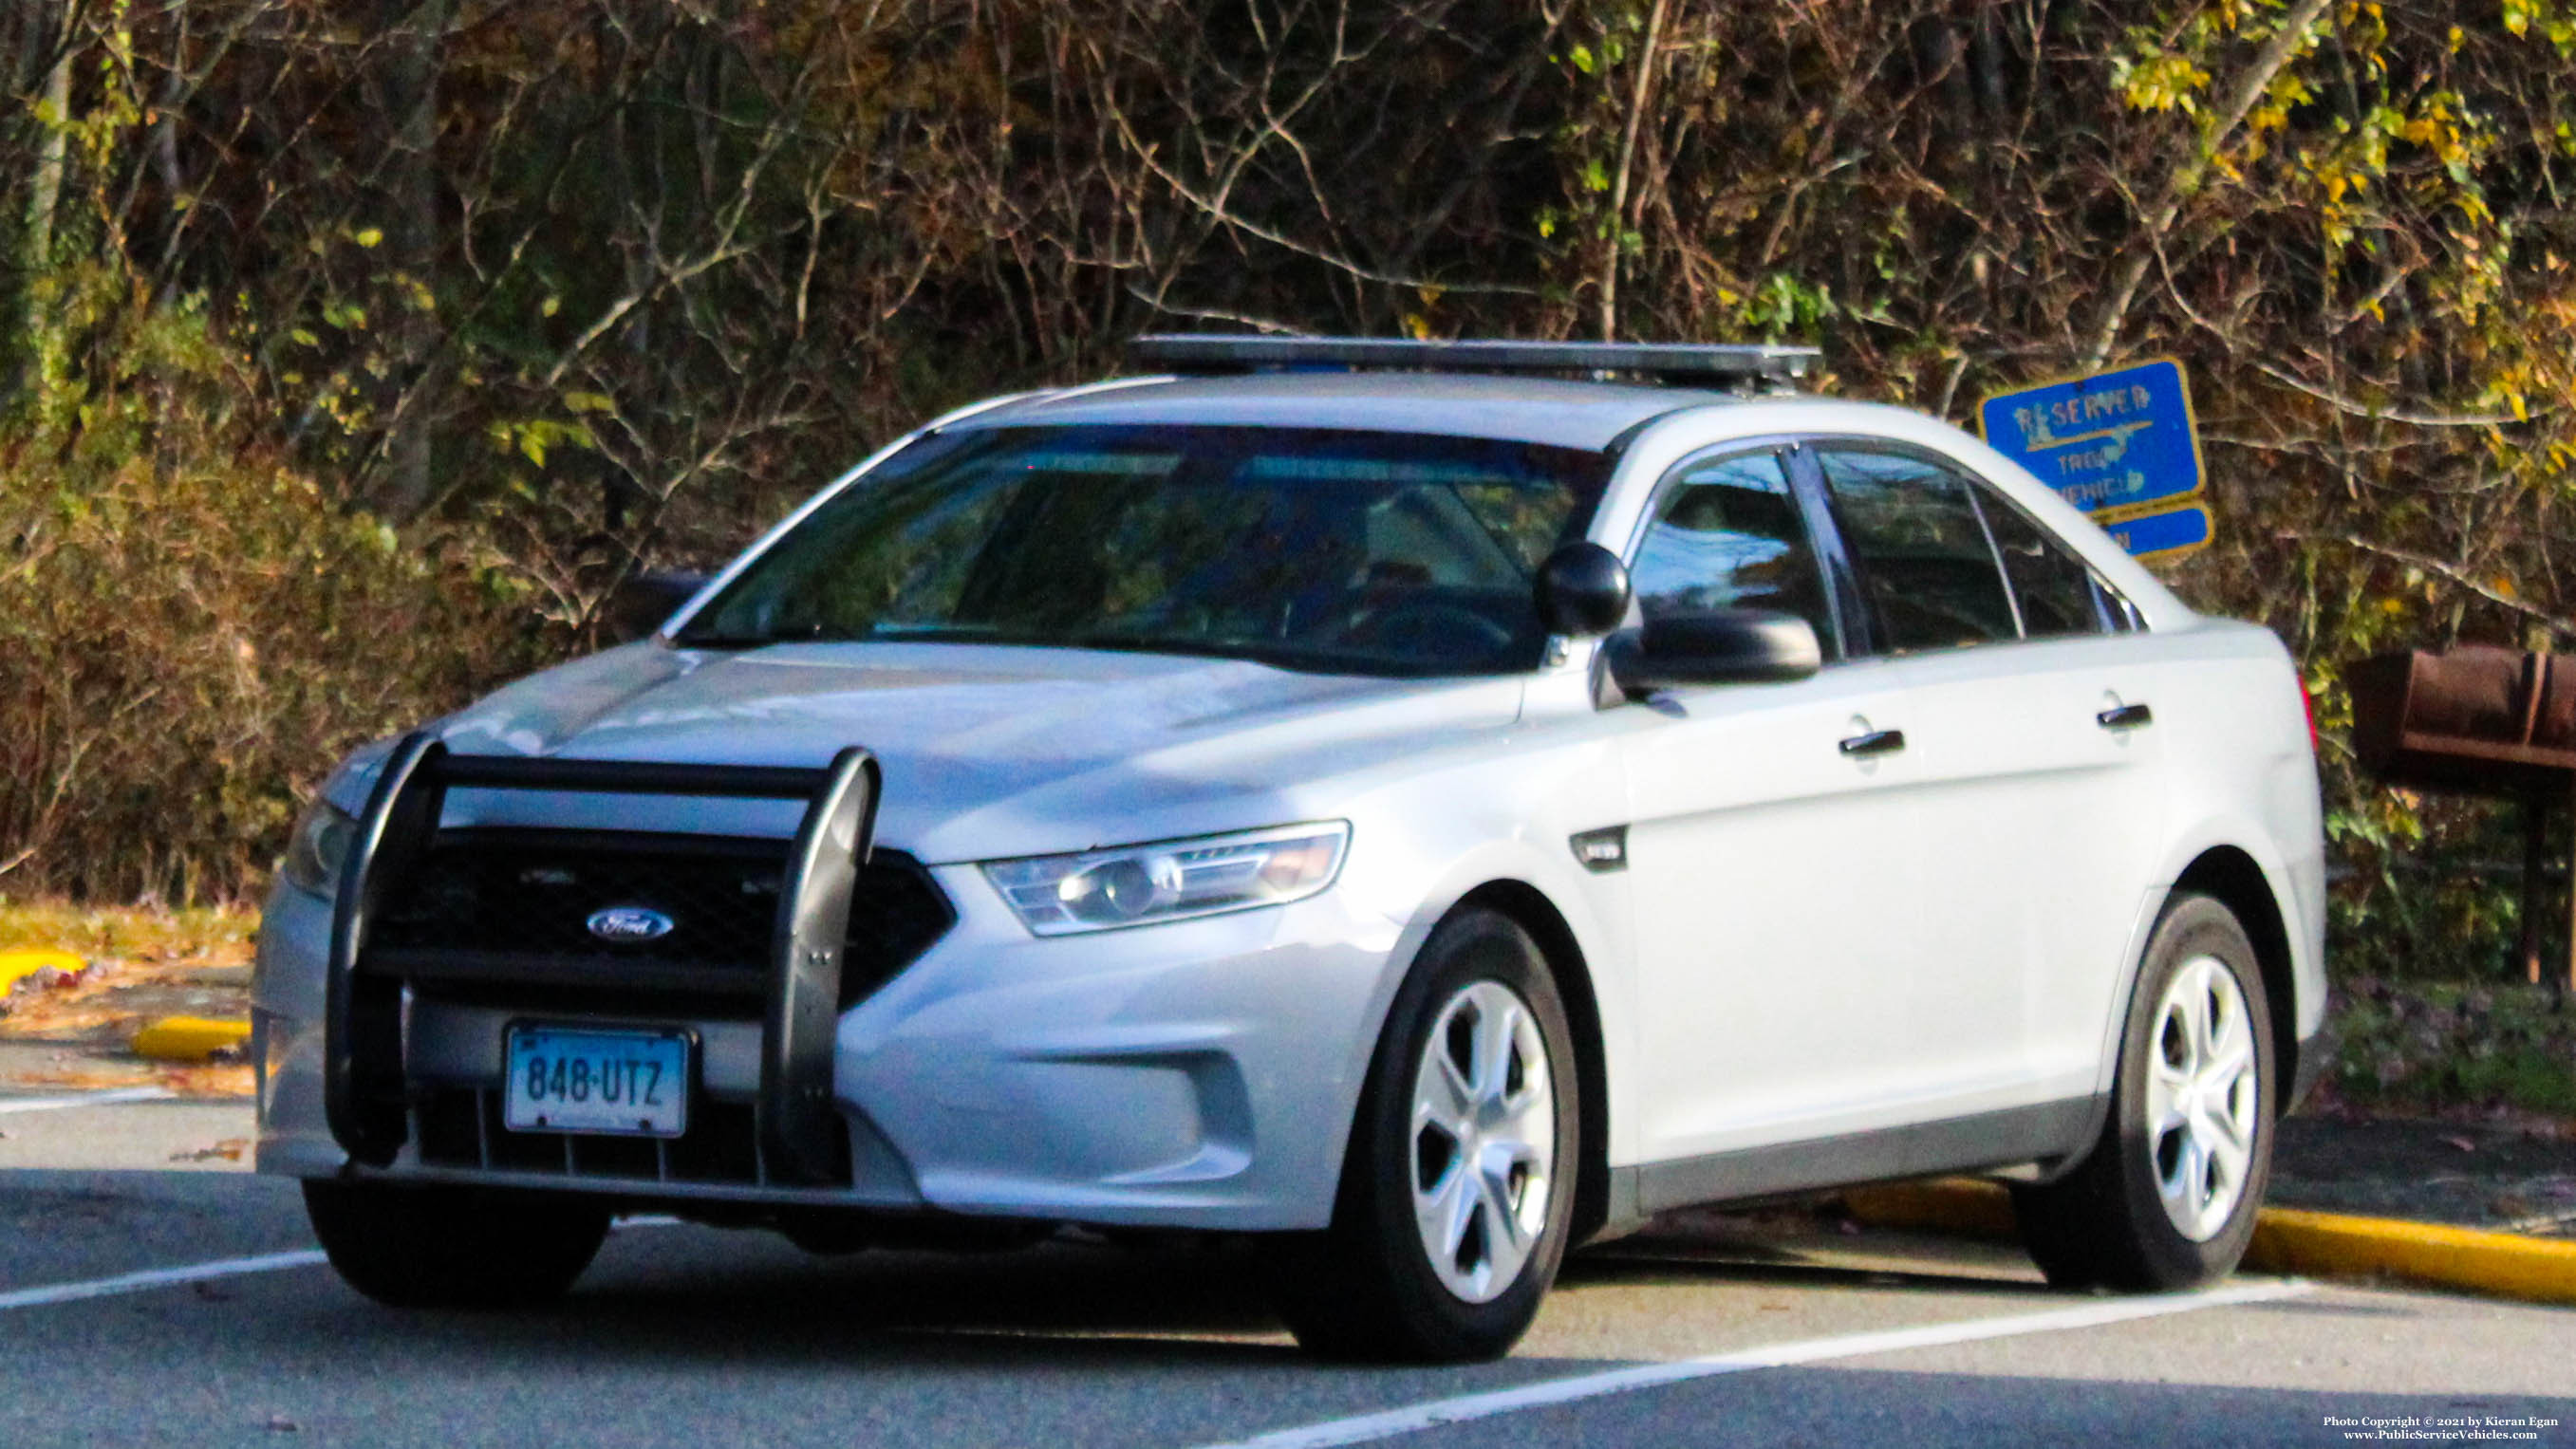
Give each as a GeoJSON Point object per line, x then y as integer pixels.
{"type": "Point", "coordinates": [2169, 1195]}
{"type": "Point", "coordinates": [444, 1246]}
{"type": "Point", "coordinates": [1459, 1179]}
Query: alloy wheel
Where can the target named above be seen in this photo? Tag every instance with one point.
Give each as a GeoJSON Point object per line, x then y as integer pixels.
{"type": "Point", "coordinates": [2203, 1098]}
{"type": "Point", "coordinates": [1484, 1140]}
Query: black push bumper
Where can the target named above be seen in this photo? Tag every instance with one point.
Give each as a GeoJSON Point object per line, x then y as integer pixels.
{"type": "Point", "coordinates": [364, 1091]}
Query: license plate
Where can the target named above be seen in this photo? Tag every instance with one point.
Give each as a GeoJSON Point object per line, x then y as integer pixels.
{"type": "Point", "coordinates": [626, 1083]}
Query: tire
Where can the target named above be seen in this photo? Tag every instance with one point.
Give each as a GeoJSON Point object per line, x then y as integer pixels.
{"type": "Point", "coordinates": [454, 1247]}
{"type": "Point", "coordinates": [2168, 1196]}
{"type": "Point", "coordinates": [1475, 1059]}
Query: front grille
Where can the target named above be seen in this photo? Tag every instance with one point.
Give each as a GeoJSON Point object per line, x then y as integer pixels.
{"type": "Point", "coordinates": [498, 906]}
{"type": "Point", "coordinates": [523, 893]}
{"type": "Point", "coordinates": [461, 1127]}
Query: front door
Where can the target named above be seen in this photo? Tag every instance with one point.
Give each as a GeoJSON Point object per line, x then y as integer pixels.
{"type": "Point", "coordinates": [1773, 846]}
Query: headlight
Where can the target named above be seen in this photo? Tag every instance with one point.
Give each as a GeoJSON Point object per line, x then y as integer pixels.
{"type": "Point", "coordinates": [1136, 885]}
{"type": "Point", "coordinates": [319, 845]}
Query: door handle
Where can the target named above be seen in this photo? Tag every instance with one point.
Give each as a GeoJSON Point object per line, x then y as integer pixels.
{"type": "Point", "coordinates": [1876, 742]}
{"type": "Point", "coordinates": [2126, 717]}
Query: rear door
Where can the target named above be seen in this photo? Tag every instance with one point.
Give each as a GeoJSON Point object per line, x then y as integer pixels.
{"type": "Point", "coordinates": [2031, 720]}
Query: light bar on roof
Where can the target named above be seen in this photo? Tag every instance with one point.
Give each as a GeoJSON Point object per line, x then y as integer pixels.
{"type": "Point", "coordinates": [1680, 362]}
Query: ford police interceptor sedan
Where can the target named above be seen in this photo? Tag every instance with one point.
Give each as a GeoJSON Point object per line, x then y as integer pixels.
{"type": "Point", "coordinates": [1418, 806]}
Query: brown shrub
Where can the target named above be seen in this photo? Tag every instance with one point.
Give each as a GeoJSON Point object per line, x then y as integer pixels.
{"type": "Point", "coordinates": [191, 633]}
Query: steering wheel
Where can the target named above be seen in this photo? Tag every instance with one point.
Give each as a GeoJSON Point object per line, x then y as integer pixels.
{"type": "Point", "coordinates": [1422, 627]}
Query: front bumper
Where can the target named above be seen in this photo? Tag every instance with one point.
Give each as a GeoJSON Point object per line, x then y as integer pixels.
{"type": "Point", "coordinates": [1200, 1074]}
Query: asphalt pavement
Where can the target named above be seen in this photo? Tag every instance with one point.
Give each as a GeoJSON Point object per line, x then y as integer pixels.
{"type": "Point", "coordinates": [151, 1291]}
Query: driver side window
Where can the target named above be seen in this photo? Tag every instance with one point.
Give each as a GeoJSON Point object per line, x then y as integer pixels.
{"type": "Point", "coordinates": [1727, 534]}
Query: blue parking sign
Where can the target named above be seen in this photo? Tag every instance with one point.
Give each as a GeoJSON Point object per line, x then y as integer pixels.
{"type": "Point", "coordinates": [2118, 444]}
{"type": "Point", "coordinates": [2169, 534]}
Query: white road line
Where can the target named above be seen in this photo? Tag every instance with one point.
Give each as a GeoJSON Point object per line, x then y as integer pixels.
{"type": "Point", "coordinates": [151, 1278]}
{"type": "Point", "coordinates": [85, 1099]}
{"type": "Point", "coordinates": [1388, 1424]}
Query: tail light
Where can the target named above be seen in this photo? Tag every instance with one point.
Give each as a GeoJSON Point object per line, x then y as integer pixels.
{"type": "Point", "coordinates": [2307, 703]}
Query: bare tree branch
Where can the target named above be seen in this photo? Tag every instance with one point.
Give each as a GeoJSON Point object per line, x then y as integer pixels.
{"type": "Point", "coordinates": [2287, 41]}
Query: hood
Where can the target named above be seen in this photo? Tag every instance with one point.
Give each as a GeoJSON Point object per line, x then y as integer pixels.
{"type": "Point", "coordinates": [988, 751]}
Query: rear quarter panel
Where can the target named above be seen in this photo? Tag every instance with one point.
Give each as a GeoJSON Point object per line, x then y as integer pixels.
{"type": "Point", "coordinates": [2242, 773]}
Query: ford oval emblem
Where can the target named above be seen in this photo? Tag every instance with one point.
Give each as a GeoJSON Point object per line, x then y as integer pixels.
{"type": "Point", "coordinates": [624, 924]}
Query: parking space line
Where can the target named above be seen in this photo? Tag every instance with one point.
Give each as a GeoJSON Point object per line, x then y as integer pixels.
{"type": "Point", "coordinates": [85, 1099]}
{"type": "Point", "coordinates": [151, 1278]}
{"type": "Point", "coordinates": [1390, 1423]}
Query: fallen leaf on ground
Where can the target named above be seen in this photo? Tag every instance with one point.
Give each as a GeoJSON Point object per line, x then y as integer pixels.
{"type": "Point", "coordinates": [67, 1071]}
{"type": "Point", "coordinates": [230, 1150]}
{"type": "Point", "coordinates": [87, 1074]}
{"type": "Point", "coordinates": [220, 1079]}
{"type": "Point", "coordinates": [73, 1020]}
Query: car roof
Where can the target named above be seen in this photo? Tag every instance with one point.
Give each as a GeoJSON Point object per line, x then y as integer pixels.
{"type": "Point", "coordinates": [1556, 412]}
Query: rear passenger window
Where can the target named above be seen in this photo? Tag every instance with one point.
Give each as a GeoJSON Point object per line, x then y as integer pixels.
{"type": "Point", "coordinates": [1925, 563]}
{"type": "Point", "coordinates": [2053, 586]}
{"type": "Point", "coordinates": [1728, 535]}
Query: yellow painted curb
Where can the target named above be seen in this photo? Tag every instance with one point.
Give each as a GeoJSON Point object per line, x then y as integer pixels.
{"type": "Point", "coordinates": [1944, 1205]}
{"type": "Point", "coordinates": [188, 1038]}
{"type": "Point", "coordinates": [2329, 1245]}
{"type": "Point", "coordinates": [16, 966]}
{"type": "Point", "coordinates": [2286, 1240]}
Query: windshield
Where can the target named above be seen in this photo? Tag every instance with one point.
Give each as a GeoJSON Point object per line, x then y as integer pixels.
{"type": "Point", "coordinates": [1318, 549]}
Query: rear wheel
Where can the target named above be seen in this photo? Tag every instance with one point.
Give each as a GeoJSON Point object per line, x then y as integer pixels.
{"type": "Point", "coordinates": [443, 1246]}
{"type": "Point", "coordinates": [2169, 1195]}
{"type": "Point", "coordinates": [1459, 1179]}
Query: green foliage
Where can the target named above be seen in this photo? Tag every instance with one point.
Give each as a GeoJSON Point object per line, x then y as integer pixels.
{"type": "Point", "coordinates": [2439, 1047]}
{"type": "Point", "coordinates": [2158, 80]}
{"type": "Point", "coordinates": [190, 632]}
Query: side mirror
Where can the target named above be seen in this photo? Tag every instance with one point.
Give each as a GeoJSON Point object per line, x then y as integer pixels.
{"type": "Point", "coordinates": [638, 606]}
{"type": "Point", "coordinates": [1723, 646]}
{"type": "Point", "coordinates": [1582, 591]}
